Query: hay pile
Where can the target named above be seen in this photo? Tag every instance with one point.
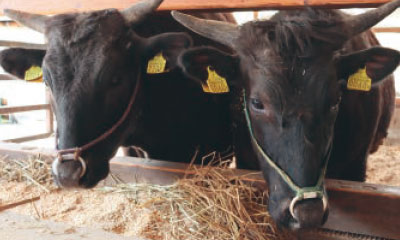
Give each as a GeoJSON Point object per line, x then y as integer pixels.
{"type": "Point", "coordinates": [33, 171]}
{"type": "Point", "coordinates": [213, 204]}
{"type": "Point", "coordinates": [209, 205]}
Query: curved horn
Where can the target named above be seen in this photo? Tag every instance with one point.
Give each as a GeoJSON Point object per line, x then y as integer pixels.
{"type": "Point", "coordinates": [364, 21]}
{"type": "Point", "coordinates": [139, 10]}
{"type": "Point", "coordinates": [35, 21]}
{"type": "Point", "coordinates": [222, 32]}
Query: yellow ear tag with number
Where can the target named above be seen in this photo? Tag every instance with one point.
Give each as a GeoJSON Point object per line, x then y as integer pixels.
{"type": "Point", "coordinates": [215, 83]}
{"type": "Point", "coordinates": [34, 74]}
{"type": "Point", "coordinates": [359, 81]}
{"type": "Point", "coordinates": [156, 64]}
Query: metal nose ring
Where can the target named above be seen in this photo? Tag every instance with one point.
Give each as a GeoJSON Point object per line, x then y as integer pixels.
{"type": "Point", "coordinates": [309, 195]}
{"type": "Point", "coordinates": [73, 157]}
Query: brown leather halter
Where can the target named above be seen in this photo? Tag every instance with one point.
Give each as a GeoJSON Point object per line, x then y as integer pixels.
{"type": "Point", "coordinates": [75, 153]}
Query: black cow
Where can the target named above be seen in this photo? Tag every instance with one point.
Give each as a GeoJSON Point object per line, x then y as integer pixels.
{"type": "Point", "coordinates": [96, 65]}
{"type": "Point", "coordinates": [294, 69]}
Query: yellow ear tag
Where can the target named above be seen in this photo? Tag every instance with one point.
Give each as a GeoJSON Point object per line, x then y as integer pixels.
{"type": "Point", "coordinates": [359, 81]}
{"type": "Point", "coordinates": [34, 74]}
{"type": "Point", "coordinates": [215, 83]}
{"type": "Point", "coordinates": [156, 64]}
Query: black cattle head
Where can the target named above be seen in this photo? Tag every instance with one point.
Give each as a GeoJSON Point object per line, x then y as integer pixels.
{"type": "Point", "coordinates": [293, 78]}
{"type": "Point", "coordinates": [93, 63]}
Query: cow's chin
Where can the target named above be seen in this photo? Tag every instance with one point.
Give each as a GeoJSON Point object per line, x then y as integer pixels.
{"type": "Point", "coordinates": [74, 174]}
{"type": "Point", "coordinates": [91, 183]}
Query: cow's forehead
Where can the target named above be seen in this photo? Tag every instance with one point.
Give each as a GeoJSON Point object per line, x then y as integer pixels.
{"type": "Point", "coordinates": [293, 34]}
{"type": "Point", "coordinates": [85, 40]}
{"type": "Point", "coordinates": [291, 58]}
{"type": "Point", "coordinates": [292, 84]}
{"type": "Point", "coordinates": [97, 27]}
{"type": "Point", "coordinates": [85, 48]}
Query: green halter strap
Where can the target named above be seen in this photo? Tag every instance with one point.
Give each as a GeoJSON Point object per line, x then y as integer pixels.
{"type": "Point", "coordinates": [316, 191]}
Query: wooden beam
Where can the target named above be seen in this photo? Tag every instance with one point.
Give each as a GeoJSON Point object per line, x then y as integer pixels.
{"type": "Point", "coordinates": [9, 24]}
{"type": "Point", "coordinates": [52, 7]}
{"type": "Point", "coordinates": [364, 208]}
{"type": "Point", "coordinates": [7, 110]}
{"type": "Point", "coordinates": [386, 30]}
{"type": "Point", "coordinates": [16, 44]}
{"type": "Point", "coordinates": [29, 138]}
{"type": "Point", "coordinates": [18, 151]}
{"type": "Point", "coordinates": [7, 77]}
{"type": "Point", "coordinates": [130, 169]}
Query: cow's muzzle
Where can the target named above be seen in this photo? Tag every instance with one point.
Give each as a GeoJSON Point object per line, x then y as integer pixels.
{"type": "Point", "coordinates": [68, 170]}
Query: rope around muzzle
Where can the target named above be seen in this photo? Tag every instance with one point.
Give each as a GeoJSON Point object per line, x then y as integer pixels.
{"type": "Point", "coordinates": [74, 154]}
{"type": "Point", "coordinates": [302, 193]}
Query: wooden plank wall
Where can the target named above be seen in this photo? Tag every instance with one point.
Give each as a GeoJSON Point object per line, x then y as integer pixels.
{"type": "Point", "coordinates": [56, 6]}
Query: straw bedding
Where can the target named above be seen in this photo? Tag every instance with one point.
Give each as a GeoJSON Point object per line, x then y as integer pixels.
{"type": "Point", "coordinates": [213, 204]}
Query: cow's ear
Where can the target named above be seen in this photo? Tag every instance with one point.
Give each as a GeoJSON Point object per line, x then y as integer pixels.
{"type": "Point", "coordinates": [374, 63]}
{"type": "Point", "coordinates": [17, 61]}
{"type": "Point", "coordinates": [163, 50]}
{"type": "Point", "coordinates": [209, 66]}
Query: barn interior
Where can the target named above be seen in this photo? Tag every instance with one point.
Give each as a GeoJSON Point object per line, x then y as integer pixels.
{"type": "Point", "coordinates": [142, 198]}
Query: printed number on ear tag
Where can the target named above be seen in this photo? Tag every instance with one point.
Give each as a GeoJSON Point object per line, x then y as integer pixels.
{"type": "Point", "coordinates": [157, 64]}
{"type": "Point", "coordinates": [359, 81]}
{"type": "Point", "coordinates": [34, 74]}
{"type": "Point", "coordinates": [215, 83]}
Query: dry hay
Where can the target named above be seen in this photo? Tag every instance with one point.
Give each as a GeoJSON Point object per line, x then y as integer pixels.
{"type": "Point", "coordinates": [33, 171]}
{"type": "Point", "coordinates": [213, 204]}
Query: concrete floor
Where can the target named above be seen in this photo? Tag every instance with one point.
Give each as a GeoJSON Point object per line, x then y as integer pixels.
{"type": "Point", "coordinates": [20, 227]}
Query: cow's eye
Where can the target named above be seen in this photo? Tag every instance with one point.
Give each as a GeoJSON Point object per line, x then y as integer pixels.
{"type": "Point", "coordinates": [47, 79]}
{"type": "Point", "coordinates": [256, 104]}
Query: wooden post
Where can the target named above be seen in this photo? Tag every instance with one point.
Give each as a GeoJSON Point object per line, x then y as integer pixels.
{"type": "Point", "coordinates": [255, 15]}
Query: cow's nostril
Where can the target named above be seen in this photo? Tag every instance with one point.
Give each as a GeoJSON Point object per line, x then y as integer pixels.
{"type": "Point", "coordinates": [68, 173]}
{"type": "Point", "coordinates": [310, 213]}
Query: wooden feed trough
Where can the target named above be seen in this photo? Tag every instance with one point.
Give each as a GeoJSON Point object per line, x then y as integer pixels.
{"type": "Point", "coordinates": [357, 210]}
